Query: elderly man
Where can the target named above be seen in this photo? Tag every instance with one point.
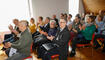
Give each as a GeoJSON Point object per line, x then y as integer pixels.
{"type": "Point", "coordinates": [23, 44]}
{"type": "Point", "coordinates": [61, 39]}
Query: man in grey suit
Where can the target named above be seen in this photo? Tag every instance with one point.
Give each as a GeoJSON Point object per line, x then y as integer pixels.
{"type": "Point", "coordinates": [23, 44]}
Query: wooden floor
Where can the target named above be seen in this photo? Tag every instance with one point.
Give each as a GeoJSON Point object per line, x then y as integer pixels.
{"type": "Point", "coordinates": [86, 53]}
{"type": "Point", "coordinates": [81, 54]}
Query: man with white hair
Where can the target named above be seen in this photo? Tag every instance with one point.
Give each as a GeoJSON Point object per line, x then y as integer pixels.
{"type": "Point", "coordinates": [23, 44]}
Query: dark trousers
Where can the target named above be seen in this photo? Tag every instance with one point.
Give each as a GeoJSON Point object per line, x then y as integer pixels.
{"type": "Point", "coordinates": [6, 36]}
{"type": "Point", "coordinates": [46, 55]}
{"type": "Point", "coordinates": [17, 56]}
{"type": "Point", "coordinates": [11, 39]}
{"type": "Point", "coordinates": [80, 39]}
{"type": "Point", "coordinates": [96, 42]}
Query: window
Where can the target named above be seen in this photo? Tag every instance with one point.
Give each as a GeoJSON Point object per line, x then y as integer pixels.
{"type": "Point", "coordinates": [73, 7]}
{"type": "Point", "coordinates": [11, 9]}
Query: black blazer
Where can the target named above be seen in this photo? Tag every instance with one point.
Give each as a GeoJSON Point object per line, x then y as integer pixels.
{"type": "Point", "coordinates": [46, 28]}
{"type": "Point", "coordinates": [62, 38]}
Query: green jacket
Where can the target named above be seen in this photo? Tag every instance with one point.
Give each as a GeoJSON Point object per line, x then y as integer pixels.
{"type": "Point", "coordinates": [88, 32]}
{"type": "Point", "coordinates": [24, 43]}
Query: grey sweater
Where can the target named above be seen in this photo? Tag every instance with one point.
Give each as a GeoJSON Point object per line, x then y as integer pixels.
{"type": "Point", "coordinates": [24, 43]}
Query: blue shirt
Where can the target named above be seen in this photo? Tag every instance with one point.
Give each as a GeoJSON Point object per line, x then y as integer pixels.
{"type": "Point", "coordinates": [100, 25]}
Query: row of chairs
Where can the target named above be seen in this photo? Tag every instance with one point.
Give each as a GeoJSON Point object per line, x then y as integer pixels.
{"type": "Point", "coordinates": [53, 57]}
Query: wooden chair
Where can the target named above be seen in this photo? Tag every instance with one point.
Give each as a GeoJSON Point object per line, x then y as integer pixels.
{"type": "Point", "coordinates": [54, 57]}
{"type": "Point", "coordinates": [89, 44]}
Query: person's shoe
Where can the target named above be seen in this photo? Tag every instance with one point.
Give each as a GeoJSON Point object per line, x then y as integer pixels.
{"type": "Point", "coordinates": [72, 54]}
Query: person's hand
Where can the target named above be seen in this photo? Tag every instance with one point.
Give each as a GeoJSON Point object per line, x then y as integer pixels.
{"type": "Point", "coordinates": [10, 27]}
{"type": "Point", "coordinates": [50, 37]}
{"type": "Point", "coordinates": [15, 32]}
{"type": "Point", "coordinates": [80, 27]}
{"type": "Point", "coordinates": [83, 27]}
{"type": "Point", "coordinates": [45, 33]}
{"type": "Point", "coordinates": [74, 30]}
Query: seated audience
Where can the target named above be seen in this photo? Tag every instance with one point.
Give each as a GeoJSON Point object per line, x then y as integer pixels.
{"type": "Point", "coordinates": [32, 26]}
{"type": "Point", "coordinates": [65, 16]}
{"type": "Point", "coordinates": [52, 31]}
{"type": "Point", "coordinates": [23, 44]}
{"type": "Point", "coordinates": [40, 24]}
{"type": "Point", "coordinates": [85, 35]}
{"type": "Point", "coordinates": [61, 39]}
{"type": "Point", "coordinates": [69, 21]}
{"type": "Point", "coordinates": [61, 16]}
{"type": "Point", "coordinates": [99, 24]}
{"type": "Point", "coordinates": [75, 25]}
{"type": "Point", "coordinates": [83, 17]}
{"type": "Point", "coordinates": [13, 36]}
{"type": "Point", "coordinates": [102, 14]}
{"type": "Point", "coordinates": [46, 25]}
{"type": "Point", "coordinates": [101, 35]}
{"type": "Point", "coordinates": [54, 18]}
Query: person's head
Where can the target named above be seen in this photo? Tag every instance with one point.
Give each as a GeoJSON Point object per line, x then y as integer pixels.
{"type": "Point", "coordinates": [69, 16]}
{"type": "Point", "coordinates": [54, 16]}
{"type": "Point", "coordinates": [78, 15]}
{"type": "Point", "coordinates": [61, 15]}
{"type": "Point", "coordinates": [40, 19]}
{"type": "Point", "coordinates": [90, 19]}
{"type": "Point", "coordinates": [47, 20]}
{"type": "Point", "coordinates": [83, 14]}
{"type": "Point", "coordinates": [22, 25]}
{"type": "Point", "coordinates": [16, 22]}
{"type": "Point", "coordinates": [65, 15]}
{"type": "Point", "coordinates": [62, 23]}
{"type": "Point", "coordinates": [77, 19]}
{"type": "Point", "coordinates": [92, 13]}
{"type": "Point", "coordinates": [32, 21]}
{"type": "Point", "coordinates": [101, 12]}
{"type": "Point", "coordinates": [99, 17]}
{"type": "Point", "coordinates": [52, 24]}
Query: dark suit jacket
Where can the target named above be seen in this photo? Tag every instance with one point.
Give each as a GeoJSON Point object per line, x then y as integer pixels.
{"type": "Point", "coordinates": [46, 28]}
{"type": "Point", "coordinates": [62, 39]}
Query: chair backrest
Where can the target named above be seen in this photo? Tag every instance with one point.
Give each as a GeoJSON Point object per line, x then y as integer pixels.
{"type": "Point", "coordinates": [31, 47]}
{"type": "Point", "coordinates": [92, 38]}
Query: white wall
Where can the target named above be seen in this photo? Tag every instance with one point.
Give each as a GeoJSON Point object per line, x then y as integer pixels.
{"type": "Point", "coordinates": [81, 7]}
{"type": "Point", "coordinates": [47, 8]}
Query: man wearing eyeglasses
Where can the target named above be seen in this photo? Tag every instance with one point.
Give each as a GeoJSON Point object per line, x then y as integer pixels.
{"type": "Point", "coordinates": [61, 39]}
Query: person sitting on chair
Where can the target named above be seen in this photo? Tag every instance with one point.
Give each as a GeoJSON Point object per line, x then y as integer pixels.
{"type": "Point", "coordinates": [14, 33]}
{"type": "Point", "coordinates": [85, 35]}
{"type": "Point", "coordinates": [23, 44]}
{"type": "Point", "coordinates": [61, 39]}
